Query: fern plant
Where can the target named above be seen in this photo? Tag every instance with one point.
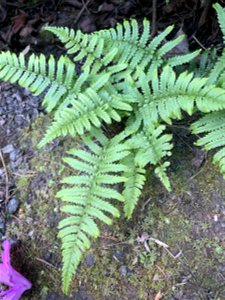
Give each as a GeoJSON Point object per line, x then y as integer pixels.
{"type": "Point", "coordinates": [124, 77]}
{"type": "Point", "coordinates": [212, 125]}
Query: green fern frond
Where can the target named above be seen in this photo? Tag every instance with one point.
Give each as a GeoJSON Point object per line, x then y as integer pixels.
{"type": "Point", "coordinates": [213, 127]}
{"type": "Point", "coordinates": [164, 96]}
{"type": "Point", "coordinates": [221, 17]}
{"type": "Point", "coordinates": [135, 179]}
{"type": "Point", "coordinates": [160, 171]}
{"type": "Point", "coordinates": [207, 62]}
{"type": "Point", "coordinates": [88, 198]}
{"type": "Point", "coordinates": [217, 74]}
{"type": "Point", "coordinates": [89, 110]}
{"type": "Point", "coordinates": [124, 75]}
{"type": "Point", "coordinates": [39, 75]}
{"type": "Point", "coordinates": [123, 44]}
{"type": "Point", "coordinates": [154, 147]}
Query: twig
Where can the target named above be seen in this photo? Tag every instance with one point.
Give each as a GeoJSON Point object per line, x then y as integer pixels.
{"type": "Point", "coordinates": [154, 15]}
{"type": "Point", "coordinates": [199, 172]}
{"type": "Point", "coordinates": [146, 203]}
{"type": "Point", "coordinates": [6, 178]}
{"type": "Point", "coordinates": [203, 18]}
{"type": "Point", "coordinates": [81, 11]}
{"type": "Point", "coordinates": [198, 42]}
{"type": "Point", "coordinates": [45, 262]}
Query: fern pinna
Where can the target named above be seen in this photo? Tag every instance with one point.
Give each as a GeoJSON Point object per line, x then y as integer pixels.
{"type": "Point", "coordinates": [124, 77]}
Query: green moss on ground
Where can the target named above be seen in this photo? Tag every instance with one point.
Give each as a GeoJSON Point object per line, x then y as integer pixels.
{"type": "Point", "coordinates": [190, 220]}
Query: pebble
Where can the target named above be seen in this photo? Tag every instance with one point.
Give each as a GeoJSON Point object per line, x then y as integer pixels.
{"type": "Point", "coordinates": [82, 295]}
{"type": "Point", "coordinates": [8, 149]}
{"type": "Point", "coordinates": [13, 155]}
{"type": "Point", "coordinates": [2, 223]}
{"type": "Point", "coordinates": [89, 260]}
{"type": "Point", "coordinates": [123, 270]}
{"type": "Point", "coordinates": [12, 206]}
{"type": "Point", "coordinates": [119, 255]}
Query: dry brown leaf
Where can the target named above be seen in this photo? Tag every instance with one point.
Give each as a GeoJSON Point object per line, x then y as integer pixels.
{"type": "Point", "coordinates": [158, 296]}
{"type": "Point", "coordinates": [18, 22]}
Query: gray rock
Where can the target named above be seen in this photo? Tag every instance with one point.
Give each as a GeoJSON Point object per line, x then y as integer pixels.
{"type": "Point", "coordinates": [12, 206]}
{"type": "Point", "coordinates": [83, 295]}
{"type": "Point", "coordinates": [2, 172]}
{"type": "Point", "coordinates": [123, 270]}
{"type": "Point", "coordinates": [120, 255]}
{"type": "Point", "coordinates": [8, 149]}
{"type": "Point", "coordinates": [2, 223]}
{"type": "Point", "coordinates": [13, 155]}
{"type": "Point", "coordinates": [89, 260]}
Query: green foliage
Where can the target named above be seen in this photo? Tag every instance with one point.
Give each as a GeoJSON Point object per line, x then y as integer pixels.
{"type": "Point", "coordinates": [124, 44]}
{"type": "Point", "coordinates": [87, 199]}
{"type": "Point", "coordinates": [213, 127]}
{"type": "Point", "coordinates": [129, 78]}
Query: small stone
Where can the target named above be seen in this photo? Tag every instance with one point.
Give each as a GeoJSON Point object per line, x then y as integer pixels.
{"type": "Point", "coordinates": [123, 270]}
{"type": "Point", "coordinates": [119, 256]}
{"type": "Point", "coordinates": [12, 206]}
{"type": "Point", "coordinates": [13, 155]}
{"type": "Point", "coordinates": [2, 223]}
{"type": "Point", "coordinates": [89, 260]}
{"type": "Point", "coordinates": [31, 233]}
{"type": "Point", "coordinates": [2, 172]}
{"type": "Point", "coordinates": [47, 256]}
{"type": "Point", "coordinates": [82, 295]}
{"type": "Point", "coordinates": [215, 218]}
{"type": "Point", "coordinates": [106, 273]}
{"type": "Point", "coordinates": [8, 149]}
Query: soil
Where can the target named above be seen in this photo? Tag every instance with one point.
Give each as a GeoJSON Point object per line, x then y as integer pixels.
{"type": "Point", "coordinates": [174, 246]}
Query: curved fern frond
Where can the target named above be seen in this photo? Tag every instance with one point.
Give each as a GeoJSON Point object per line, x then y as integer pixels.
{"type": "Point", "coordinates": [207, 62]}
{"type": "Point", "coordinates": [90, 110]}
{"type": "Point", "coordinates": [221, 17]}
{"type": "Point", "coordinates": [154, 147]}
{"type": "Point", "coordinates": [123, 44]}
{"type": "Point", "coordinates": [164, 96]}
{"type": "Point", "coordinates": [39, 74]}
{"type": "Point", "coordinates": [217, 74]}
{"type": "Point", "coordinates": [135, 179]}
{"type": "Point", "coordinates": [213, 127]}
{"type": "Point", "coordinates": [88, 199]}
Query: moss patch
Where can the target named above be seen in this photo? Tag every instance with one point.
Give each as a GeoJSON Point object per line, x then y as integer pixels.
{"type": "Point", "coordinates": [190, 220]}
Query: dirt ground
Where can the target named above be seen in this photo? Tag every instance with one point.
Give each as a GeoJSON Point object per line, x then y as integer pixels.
{"type": "Point", "coordinates": [174, 246]}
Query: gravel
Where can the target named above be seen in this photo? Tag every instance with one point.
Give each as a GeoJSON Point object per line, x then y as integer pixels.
{"type": "Point", "coordinates": [18, 109]}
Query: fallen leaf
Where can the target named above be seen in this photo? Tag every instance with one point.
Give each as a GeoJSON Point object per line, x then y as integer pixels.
{"type": "Point", "coordinates": [18, 22]}
{"type": "Point", "coordinates": [75, 3]}
{"type": "Point", "coordinates": [158, 296]}
{"type": "Point", "coordinates": [106, 7]}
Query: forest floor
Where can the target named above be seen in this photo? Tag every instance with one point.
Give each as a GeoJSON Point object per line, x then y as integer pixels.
{"type": "Point", "coordinates": [174, 246]}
